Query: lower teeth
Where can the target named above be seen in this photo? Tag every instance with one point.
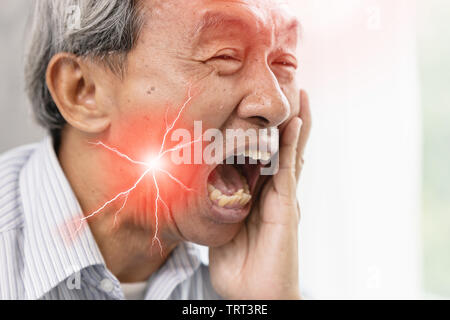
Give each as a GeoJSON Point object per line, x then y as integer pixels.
{"type": "Point", "coordinates": [241, 197]}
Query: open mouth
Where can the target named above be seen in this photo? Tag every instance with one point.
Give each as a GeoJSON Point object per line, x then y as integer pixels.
{"type": "Point", "coordinates": [231, 186]}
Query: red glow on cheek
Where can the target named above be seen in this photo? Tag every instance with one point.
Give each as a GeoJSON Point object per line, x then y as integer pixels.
{"type": "Point", "coordinates": [138, 176]}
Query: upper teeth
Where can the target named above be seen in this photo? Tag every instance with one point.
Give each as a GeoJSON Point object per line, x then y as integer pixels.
{"type": "Point", "coordinates": [256, 155]}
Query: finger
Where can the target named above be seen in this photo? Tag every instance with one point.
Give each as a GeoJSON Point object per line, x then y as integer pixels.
{"type": "Point", "coordinates": [285, 179]}
{"type": "Point", "coordinates": [305, 116]}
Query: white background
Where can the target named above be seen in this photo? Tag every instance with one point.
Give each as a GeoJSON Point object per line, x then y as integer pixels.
{"type": "Point", "coordinates": [360, 235]}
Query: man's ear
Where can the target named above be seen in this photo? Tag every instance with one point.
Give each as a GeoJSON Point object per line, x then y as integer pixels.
{"type": "Point", "coordinates": [72, 85]}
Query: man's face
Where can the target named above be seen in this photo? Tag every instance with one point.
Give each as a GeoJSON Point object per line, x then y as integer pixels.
{"type": "Point", "coordinates": [235, 63]}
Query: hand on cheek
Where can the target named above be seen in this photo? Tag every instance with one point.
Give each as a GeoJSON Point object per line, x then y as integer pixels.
{"type": "Point", "coordinates": [262, 261]}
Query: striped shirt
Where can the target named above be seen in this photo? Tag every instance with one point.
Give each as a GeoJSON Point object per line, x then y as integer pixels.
{"type": "Point", "coordinates": [37, 262]}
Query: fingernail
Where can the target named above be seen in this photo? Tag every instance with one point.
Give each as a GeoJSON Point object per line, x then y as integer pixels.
{"type": "Point", "coordinates": [301, 121]}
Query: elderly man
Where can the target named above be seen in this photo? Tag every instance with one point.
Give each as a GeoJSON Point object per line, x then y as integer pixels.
{"type": "Point", "coordinates": [97, 210]}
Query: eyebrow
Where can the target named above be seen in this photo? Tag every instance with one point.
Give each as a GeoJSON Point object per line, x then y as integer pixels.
{"type": "Point", "coordinates": [212, 21]}
{"type": "Point", "coordinates": [294, 26]}
{"type": "Point", "coordinates": [218, 20]}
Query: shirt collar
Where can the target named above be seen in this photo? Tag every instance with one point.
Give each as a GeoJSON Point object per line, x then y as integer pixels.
{"type": "Point", "coordinates": [51, 253]}
{"type": "Point", "coordinates": [181, 265]}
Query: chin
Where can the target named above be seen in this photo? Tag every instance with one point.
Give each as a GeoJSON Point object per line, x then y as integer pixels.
{"type": "Point", "coordinates": [207, 233]}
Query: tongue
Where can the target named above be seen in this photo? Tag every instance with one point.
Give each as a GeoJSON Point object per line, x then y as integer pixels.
{"type": "Point", "coordinates": [226, 178]}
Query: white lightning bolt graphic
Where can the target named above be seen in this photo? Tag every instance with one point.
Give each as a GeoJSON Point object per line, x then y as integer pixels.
{"type": "Point", "coordinates": [151, 168]}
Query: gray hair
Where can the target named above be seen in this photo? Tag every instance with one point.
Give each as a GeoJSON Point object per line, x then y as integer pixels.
{"type": "Point", "coordinates": [103, 29]}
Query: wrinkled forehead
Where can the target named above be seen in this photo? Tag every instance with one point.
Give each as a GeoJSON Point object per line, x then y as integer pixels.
{"type": "Point", "coordinates": [268, 13]}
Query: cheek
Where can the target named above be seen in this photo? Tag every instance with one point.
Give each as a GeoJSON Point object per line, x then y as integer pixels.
{"type": "Point", "coordinates": [135, 155]}
{"type": "Point", "coordinates": [215, 102]}
{"type": "Point", "coordinates": [144, 97]}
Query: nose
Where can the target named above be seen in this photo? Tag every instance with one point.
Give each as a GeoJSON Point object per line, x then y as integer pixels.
{"type": "Point", "coordinates": [265, 103]}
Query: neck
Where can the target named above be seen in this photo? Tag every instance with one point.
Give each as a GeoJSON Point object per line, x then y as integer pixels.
{"type": "Point", "coordinates": [128, 250]}
{"type": "Point", "coordinates": [128, 245]}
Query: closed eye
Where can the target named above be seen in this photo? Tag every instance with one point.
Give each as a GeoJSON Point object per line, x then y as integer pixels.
{"type": "Point", "coordinates": [284, 63]}
{"type": "Point", "coordinates": [226, 62]}
{"type": "Point", "coordinates": [225, 57]}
